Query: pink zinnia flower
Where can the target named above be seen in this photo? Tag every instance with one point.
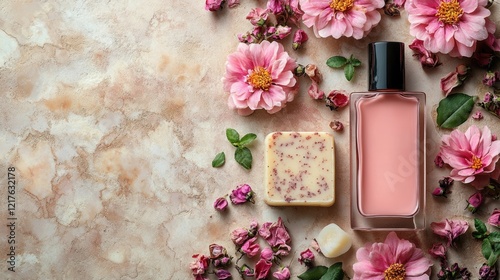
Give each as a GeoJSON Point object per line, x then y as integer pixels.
{"type": "Point", "coordinates": [260, 76]}
{"type": "Point", "coordinates": [450, 229]}
{"type": "Point", "coordinates": [449, 26]}
{"type": "Point", "coordinates": [394, 259]}
{"type": "Point", "coordinates": [472, 155]}
{"type": "Point", "coordinates": [337, 18]}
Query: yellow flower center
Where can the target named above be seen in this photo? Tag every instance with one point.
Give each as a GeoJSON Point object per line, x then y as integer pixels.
{"type": "Point", "coordinates": [395, 272]}
{"type": "Point", "coordinates": [476, 163]}
{"type": "Point", "coordinates": [341, 5]}
{"type": "Point", "coordinates": [260, 78]}
{"type": "Point", "coordinates": [449, 12]}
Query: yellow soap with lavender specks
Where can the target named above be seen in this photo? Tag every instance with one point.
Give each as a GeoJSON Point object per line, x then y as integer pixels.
{"type": "Point", "coordinates": [299, 169]}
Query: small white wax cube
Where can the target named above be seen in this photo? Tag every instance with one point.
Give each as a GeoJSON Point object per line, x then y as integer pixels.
{"type": "Point", "coordinates": [333, 241]}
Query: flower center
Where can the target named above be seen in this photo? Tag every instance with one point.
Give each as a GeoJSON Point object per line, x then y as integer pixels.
{"type": "Point", "coordinates": [341, 5]}
{"type": "Point", "coordinates": [395, 272]}
{"type": "Point", "coordinates": [476, 163]}
{"type": "Point", "coordinates": [260, 78]}
{"type": "Point", "coordinates": [449, 12]}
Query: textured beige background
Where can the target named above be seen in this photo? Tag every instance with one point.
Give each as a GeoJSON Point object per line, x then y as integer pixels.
{"type": "Point", "coordinates": [111, 113]}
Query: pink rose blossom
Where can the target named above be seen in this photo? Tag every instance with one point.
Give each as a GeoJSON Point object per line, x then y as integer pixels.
{"type": "Point", "coordinates": [199, 265]}
{"type": "Point", "coordinates": [450, 229]}
{"type": "Point", "coordinates": [260, 76]}
{"type": "Point", "coordinates": [216, 251]}
{"type": "Point", "coordinates": [477, 115]}
{"type": "Point", "coordinates": [306, 257]}
{"type": "Point", "coordinates": [267, 254]}
{"type": "Point", "coordinates": [239, 236]}
{"type": "Point", "coordinates": [494, 219]}
{"type": "Point", "coordinates": [394, 259]}
{"type": "Point", "coordinates": [213, 5]}
{"type": "Point", "coordinates": [354, 18]}
{"type": "Point", "coordinates": [242, 194]}
{"type": "Point", "coordinates": [472, 155]}
{"type": "Point", "coordinates": [449, 26]}
{"type": "Point", "coordinates": [220, 204]}
{"type": "Point", "coordinates": [474, 201]}
{"type": "Point", "coordinates": [299, 38]}
{"type": "Point", "coordinates": [262, 269]}
{"type": "Point", "coordinates": [314, 91]}
{"type": "Point", "coordinates": [251, 248]}
{"type": "Point", "coordinates": [258, 16]}
{"type": "Point", "coordinates": [438, 251]}
{"type": "Point", "coordinates": [454, 79]}
{"type": "Point", "coordinates": [337, 99]}
{"type": "Point", "coordinates": [275, 234]}
{"type": "Point", "coordinates": [282, 274]}
{"type": "Point", "coordinates": [425, 57]}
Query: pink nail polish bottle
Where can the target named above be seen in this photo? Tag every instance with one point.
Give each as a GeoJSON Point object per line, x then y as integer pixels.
{"type": "Point", "coordinates": [387, 146]}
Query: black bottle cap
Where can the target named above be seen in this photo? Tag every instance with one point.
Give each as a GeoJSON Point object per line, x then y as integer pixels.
{"type": "Point", "coordinates": [386, 62]}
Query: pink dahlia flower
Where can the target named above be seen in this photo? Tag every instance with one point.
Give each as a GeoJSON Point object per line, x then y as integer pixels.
{"type": "Point", "coordinates": [337, 18]}
{"type": "Point", "coordinates": [394, 259]}
{"type": "Point", "coordinates": [449, 26]}
{"type": "Point", "coordinates": [260, 76]}
{"type": "Point", "coordinates": [472, 155]}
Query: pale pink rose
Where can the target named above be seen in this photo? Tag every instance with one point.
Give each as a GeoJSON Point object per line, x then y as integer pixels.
{"type": "Point", "coordinates": [494, 219]}
{"type": "Point", "coordinates": [354, 18]}
{"type": "Point", "coordinates": [262, 269]}
{"type": "Point", "coordinates": [258, 16]}
{"type": "Point", "coordinates": [260, 76]}
{"type": "Point", "coordinates": [282, 274]}
{"type": "Point", "coordinates": [251, 248]}
{"type": "Point", "coordinates": [449, 26]}
{"type": "Point", "coordinates": [395, 256]}
{"type": "Point", "coordinates": [450, 229]}
{"type": "Point", "coordinates": [471, 154]}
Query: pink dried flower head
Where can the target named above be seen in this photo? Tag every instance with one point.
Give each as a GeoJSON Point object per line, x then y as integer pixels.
{"type": "Point", "coordinates": [474, 201]}
{"type": "Point", "coordinates": [199, 265]}
{"type": "Point", "coordinates": [337, 99]}
{"type": "Point", "coordinates": [267, 254]}
{"type": "Point", "coordinates": [233, 3]}
{"type": "Point", "coordinates": [337, 18]}
{"type": "Point", "coordinates": [313, 73]}
{"type": "Point", "coordinates": [438, 251]}
{"type": "Point", "coordinates": [294, 12]}
{"type": "Point", "coordinates": [336, 125]}
{"type": "Point", "coordinates": [299, 38]}
{"type": "Point", "coordinates": [394, 259]}
{"type": "Point", "coordinates": [251, 248]}
{"type": "Point", "coordinates": [494, 219]}
{"type": "Point", "coordinates": [222, 262]}
{"type": "Point", "coordinates": [217, 251]}
{"type": "Point", "coordinates": [275, 234]}
{"type": "Point", "coordinates": [472, 155]}
{"type": "Point", "coordinates": [450, 229]}
{"type": "Point", "coordinates": [280, 32]}
{"type": "Point", "coordinates": [438, 161]}
{"type": "Point", "coordinates": [425, 57]}
{"type": "Point", "coordinates": [306, 257]}
{"type": "Point", "coordinates": [246, 38]}
{"type": "Point", "coordinates": [282, 274]}
{"type": "Point", "coordinates": [314, 91]}
{"type": "Point", "coordinates": [477, 115]}
{"type": "Point", "coordinates": [222, 274]}
{"type": "Point", "coordinates": [488, 97]}
{"type": "Point", "coordinates": [213, 5]}
{"type": "Point", "coordinates": [239, 236]}
{"type": "Point", "coordinates": [220, 204]}
{"type": "Point", "coordinates": [260, 76]}
{"type": "Point", "coordinates": [258, 16]}
{"type": "Point", "coordinates": [438, 191]}
{"type": "Point", "coordinates": [448, 26]}
{"type": "Point", "coordinates": [262, 269]}
{"type": "Point", "coordinates": [490, 78]}
{"type": "Point", "coordinates": [487, 272]}
{"type": "Point", "coordinates": [454, 79]}
{"type": "Point", "coordinates": [276, 6]}
{"type": "Point", "coordinates": [246, 271]}
{"type": "Point", "coordinates": [242, 194]}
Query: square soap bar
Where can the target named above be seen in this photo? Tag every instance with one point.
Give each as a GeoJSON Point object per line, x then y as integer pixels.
{"type": "Point", "coordinates": [300, 169]}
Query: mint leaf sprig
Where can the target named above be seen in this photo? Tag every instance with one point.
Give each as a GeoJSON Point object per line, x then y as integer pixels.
{"type": "Point", "coordinates": [242, 155]}
{"type": "Point", "coordinates": [349, 64]}
{"type": "Point", "coordinates": [491, 242]}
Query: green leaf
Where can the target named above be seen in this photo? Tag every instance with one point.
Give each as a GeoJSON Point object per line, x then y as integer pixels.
{"type": "Point", "coordinates": [336, 61]}
{"type": "Point", "coordinates": [486, 248]}
{"type": "Point", "coordinates": [480, 229]}
{"type": "Point", "coordinates": [454, 110]}
{"type": "Point", "coordinates": [247, 139]}
{"type": "Point", "coordinates": [243, 156]}
{"type": "Point", "coordinates": [349, 71]}
{"type": "Point", "coordinates": [219, 160]}
{"type": "Point", "coordinates": [233, 136]}
{"type": "Point", "coordinates": [334, 272]}
{"type": "Point", "coordinates": [314, 273]}
{"type": "Point", "coordinates": [354, 61]}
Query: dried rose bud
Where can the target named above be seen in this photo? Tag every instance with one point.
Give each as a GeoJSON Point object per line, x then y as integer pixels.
{"type": "Point", "coordinates": [438, 161]}
{"type": "Point", "coordinates": [337, 99]}
{"type": "Point", "coordinates": [239, 236]}
{"type": "Point", "coordinates": [213, 5]}
{"type": "Point", "coordinates": [438, 191]}
{"type": "Point", "coordinates": [267, 254]}
{"type": "Point", "coordinates": [426, 58]}
{"type": "Point", "coordinates": [477, 115]}
{"type": "Point", "coordinates": [494, 219]}
{"type": "Point", "coordinates": [199, 265]}
{"type": "Point", "coordinates": [313, 72]}
{"type": "Point", "coordinates": [490, 78]}
{"type": "Point", "coordinates": [245, 271]}
{"type": "Point", "coordinates": [222, 262]}
{"type": "Point", "coordinates": [216, 251]}
{"type": "Point", "coordinates": [275, 6]}
{"type": "Point", "coordinates": [438, 251]}
{"type": "Point", "coordinates": [306, 257]}
{"type": "Point", "coordinates": [257, 16]}
{"type": "Point", "coordinates": [251, 248]}
{"type": "Point", "coordinates": [299, 38]}
{"type": "Point", "coordinates": [220, 204]}
{"type": "Point", "coordinates": [282, 274]}
{"type": "Point", "coordinates": [336, 125]}
{"type": "Point", "coordinates": [280, 32]}
{"type": "Point", "coordinates": [314, 91]}
{"type": "Point", "coordinates": [242, 194]}
{"type": "Point", "coordinates": [474, 202]}
{"type": "Point", "coordinates": [487, 272]}
{"type": "Point", "coordinates": [222, 274]}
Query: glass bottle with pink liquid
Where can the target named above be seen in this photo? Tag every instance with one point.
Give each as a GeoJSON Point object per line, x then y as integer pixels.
{"type": "Point", "coordinates": [387, 146]}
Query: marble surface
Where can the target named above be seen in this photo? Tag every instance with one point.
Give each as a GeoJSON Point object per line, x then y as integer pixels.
{"type": "Point", "coordinates": [112, 111]}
